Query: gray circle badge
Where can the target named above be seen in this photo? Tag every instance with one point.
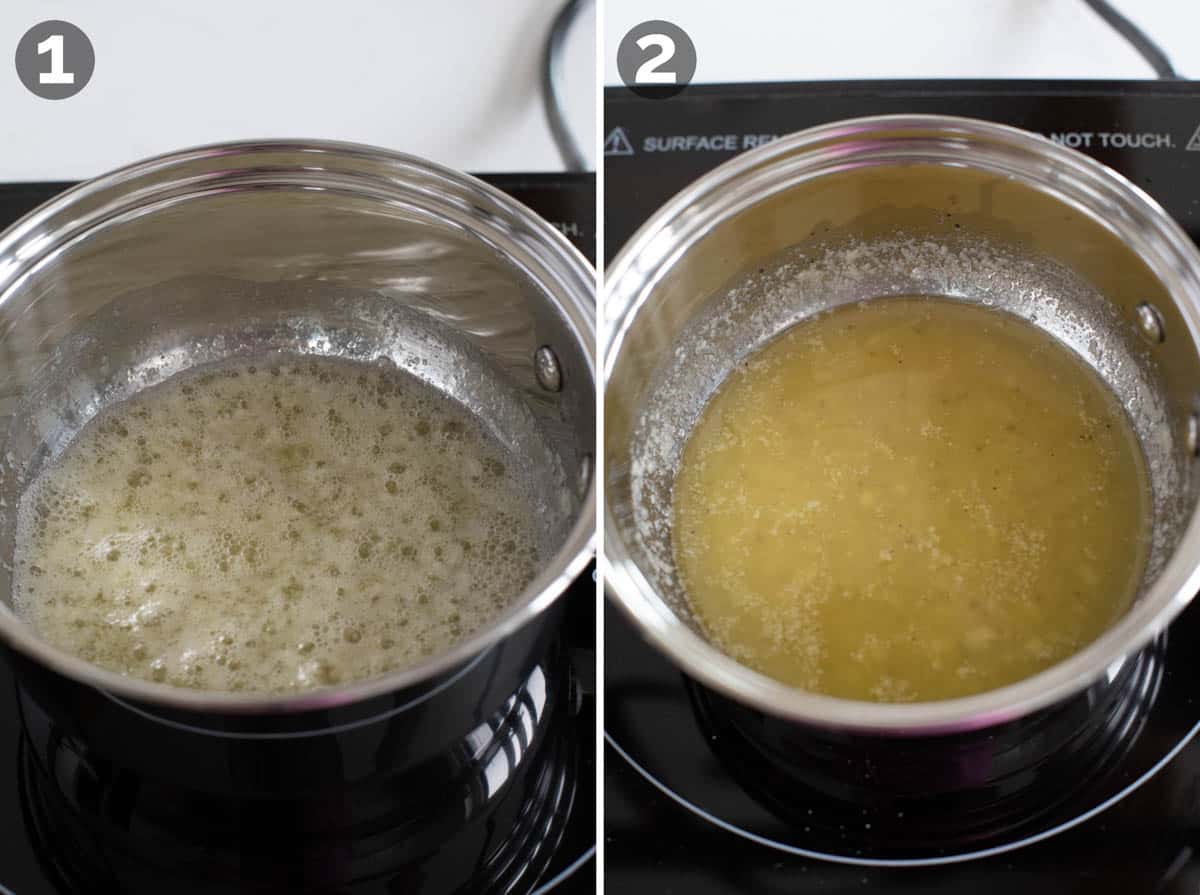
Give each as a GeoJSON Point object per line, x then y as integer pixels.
{"type": "Point", "coordinates": [656, 59]}
{"type": "Point", "coordinates": [55, 60]}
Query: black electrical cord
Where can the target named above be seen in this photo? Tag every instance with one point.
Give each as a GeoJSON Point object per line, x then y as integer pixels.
{"type": "Point", "coordinates": [1141, 42]}
{"type": "Point", "coordinates": [552, 97]}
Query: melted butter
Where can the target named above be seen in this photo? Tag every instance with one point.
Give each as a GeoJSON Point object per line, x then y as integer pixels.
{"type": "Point", "coordinates": [910, 500]}
{"type": "Point", "coordinates": [274, 526]}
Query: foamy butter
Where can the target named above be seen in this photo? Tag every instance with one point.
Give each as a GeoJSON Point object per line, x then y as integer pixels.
{"type": "Point", "coordinates": [271, 526]}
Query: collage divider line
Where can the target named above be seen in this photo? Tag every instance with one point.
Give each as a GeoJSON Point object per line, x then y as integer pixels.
{"type": "Point", "coordinates": [598, 459]}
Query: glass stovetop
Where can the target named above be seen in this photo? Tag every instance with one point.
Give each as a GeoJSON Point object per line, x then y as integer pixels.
{"type": "Point", "coordinates": [567, 201]}
{"type": "Point", "coordinates": [675, 820]}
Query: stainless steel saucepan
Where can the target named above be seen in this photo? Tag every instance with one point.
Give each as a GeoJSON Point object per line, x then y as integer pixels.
{"type": "Point", "coordinates": [896, 205]}
{"type": "Point", "coordinates": [314, 248]}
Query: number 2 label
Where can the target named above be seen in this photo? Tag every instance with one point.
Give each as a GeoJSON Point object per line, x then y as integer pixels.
{"type": "Point", "coordinates": [656, 59]}
{"type": "Point", "coordinates": [648, 72]}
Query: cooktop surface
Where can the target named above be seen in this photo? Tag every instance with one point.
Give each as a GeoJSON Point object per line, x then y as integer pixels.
{"type": "Point", "coordinates": [42, 852]}
{"type": "Point", "coordinates": [686, 808]}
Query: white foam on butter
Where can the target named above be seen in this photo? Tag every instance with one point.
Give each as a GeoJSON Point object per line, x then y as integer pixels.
{"type": "Point", "coordinates": [273, 526]}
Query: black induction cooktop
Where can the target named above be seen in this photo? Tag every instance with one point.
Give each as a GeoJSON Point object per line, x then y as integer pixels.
{"type": "Point", "coordinates": [44, 850]}
{"type": "Point", "coordinates": [686, 811]}
{"type": "Point", "coordinates": [1149, 131]}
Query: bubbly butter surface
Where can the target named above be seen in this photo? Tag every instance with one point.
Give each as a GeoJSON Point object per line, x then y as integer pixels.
{"type": "Point", "coordinates": [270, 526]}
{"type": "Point", "coordinates": [910, 499]}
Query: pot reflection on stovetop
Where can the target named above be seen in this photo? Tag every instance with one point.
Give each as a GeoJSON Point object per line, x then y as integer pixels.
{"type": "Point", "coordinates": [485, 815]}
{"type": "Point", "coordinates": [733, 798]}
{"type": "Point", "coordinates": [890, 797]}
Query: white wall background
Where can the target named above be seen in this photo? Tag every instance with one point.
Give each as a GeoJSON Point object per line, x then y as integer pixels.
{"type": "Point", "coordinates": [782, 40]}
{"type": "Point", "coordinates": [456, 81]}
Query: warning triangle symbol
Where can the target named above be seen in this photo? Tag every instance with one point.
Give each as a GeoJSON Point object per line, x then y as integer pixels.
{"type": "Point", "coordinates": [617, 142]}
{"type": "Point", "coordinates": [1194, 143]}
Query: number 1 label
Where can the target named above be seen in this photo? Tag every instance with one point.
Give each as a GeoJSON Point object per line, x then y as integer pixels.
{"type": "Point", "coordinates": [54, 46]}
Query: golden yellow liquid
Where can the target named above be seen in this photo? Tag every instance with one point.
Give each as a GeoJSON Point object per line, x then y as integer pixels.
{"type": "Point", "coordinates": [910, 500]}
